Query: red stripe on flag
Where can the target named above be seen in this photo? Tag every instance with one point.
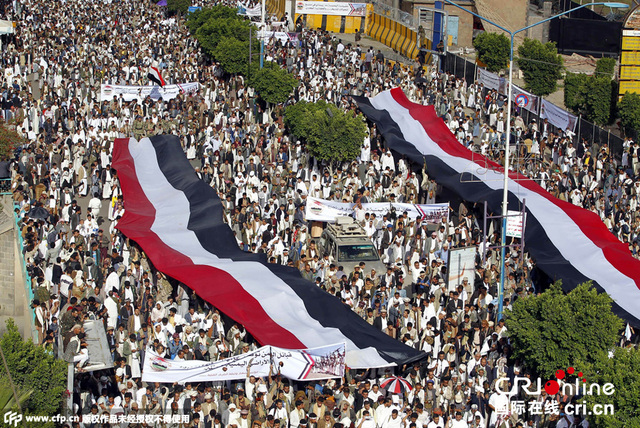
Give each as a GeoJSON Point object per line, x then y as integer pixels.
{"type": "Point", "coordinates": [158, 75]}
{"type": "Point", "coordinates": [216, 286]}
{"type": "Point", "coordinates": [616, 253]}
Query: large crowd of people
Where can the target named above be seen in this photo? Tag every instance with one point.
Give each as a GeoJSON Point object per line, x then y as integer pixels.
{"type": "Point", "coordinates": [82, 268]}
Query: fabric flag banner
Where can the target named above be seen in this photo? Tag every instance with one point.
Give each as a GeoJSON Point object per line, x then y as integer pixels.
{"type": "Point", "coordinates": [130, 93]}
{"type": "Point", "coordinates": [559, 118]}
{"type": "Point", "coordinates": [244, 9]}
{"type": "Point", "coordinates": [324, 210]}
{"type": "Point", "coordinates": [524, 99]}
{"type": "Point", "coordinates": [307, 364]}
{"type": "Point", "coordinates": [520, 97]}
{"type": "Point", "coordinates": [567, 242]}
{"type": "Point", "coordinates": [177, 219]}
{"type": "Point", "coordinates": [155, 76]}
{"type": "Point", "coordinates": [491, 80]}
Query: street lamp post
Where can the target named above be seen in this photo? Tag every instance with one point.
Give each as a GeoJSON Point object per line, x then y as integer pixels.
{"type": "Point", "coordinates": [505, 194]}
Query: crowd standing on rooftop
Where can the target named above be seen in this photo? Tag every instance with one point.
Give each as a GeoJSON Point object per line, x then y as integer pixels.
{"type": "Point", "coordinates": [83, 268]}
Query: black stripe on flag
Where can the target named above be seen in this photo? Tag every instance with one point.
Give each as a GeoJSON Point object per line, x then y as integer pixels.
{"type": "Point", "coordinates": [470, 188]}
{"type": "Point", "coordinates": [217, 238]}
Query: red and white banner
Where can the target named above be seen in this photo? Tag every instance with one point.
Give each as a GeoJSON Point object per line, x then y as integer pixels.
{"type": "Point", "coordinates": [297, 364]}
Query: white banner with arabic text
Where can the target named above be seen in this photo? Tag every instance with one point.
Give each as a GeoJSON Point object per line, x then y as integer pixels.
{"type": "Point", "coordinates": [519, 96]}
{"type": "Point", "coordinates": [559, 118]}
{"type": "Point", "coordinates": [305, 364]}
{"type": "Point", "coordinates": [324, 210]}
{"type": "Point", "coordinates": [331, 8]}
{"type": "Point", "coordinates": [130, 93]}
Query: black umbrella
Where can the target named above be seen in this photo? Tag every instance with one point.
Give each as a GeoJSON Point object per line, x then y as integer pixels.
{"type": "Point", "coordinates": [39, 213]}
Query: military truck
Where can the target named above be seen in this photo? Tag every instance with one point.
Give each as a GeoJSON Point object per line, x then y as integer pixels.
{"type": "Point", "coordinates": [347, 244]}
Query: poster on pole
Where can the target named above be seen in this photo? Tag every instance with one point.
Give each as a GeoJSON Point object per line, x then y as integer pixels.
{"type": "Point", "coordinates": [462, 264]}
{"type": "Point", "coordinates": [304, 364]}
{"type": "Point", "coordinates": [514, 224]}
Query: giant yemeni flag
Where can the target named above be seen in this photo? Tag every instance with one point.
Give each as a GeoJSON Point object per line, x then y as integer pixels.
{"type": "Point", "coordinates": [567, 242]}
{"type": "Point", "coordinates": [177, 220]}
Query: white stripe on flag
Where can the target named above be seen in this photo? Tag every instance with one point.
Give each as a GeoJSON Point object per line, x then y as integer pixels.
{"type": "Point", "coordinates": [277, 299]}
{"type": "Point", "coordinates": [564, 234]}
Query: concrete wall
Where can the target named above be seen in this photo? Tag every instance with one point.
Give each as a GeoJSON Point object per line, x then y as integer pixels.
{"type": "Point", "coordinates": [13, 300]}
{"type": "Point", "coordinates": [465, 20]}
{"type": "Point", "coordinates": [511, 15]}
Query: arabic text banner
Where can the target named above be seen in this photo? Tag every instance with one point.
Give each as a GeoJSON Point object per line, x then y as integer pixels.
{"type": "Point", "coordinates": [324, 210]}
{"type": "Point", "coordinates": [305, 364]}
{"type": "Point", "coordinates": [130, 93]}
{"type": "Point", "coordinates": [331, 8]}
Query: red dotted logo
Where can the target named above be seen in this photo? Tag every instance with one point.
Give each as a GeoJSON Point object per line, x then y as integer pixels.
{"type": "Point", "coordinates": [552, 387]}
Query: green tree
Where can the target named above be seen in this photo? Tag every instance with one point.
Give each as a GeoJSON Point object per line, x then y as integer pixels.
{"type": "Point", "coordinates": [8, 400]}
{"type": "Point", "coordinates": [554, 330]}
{"type": "Point", "coordinates": [213, 31]}
{"type": "Point", "coordinates": [178, 6]}
{"type": "Point", "coordinates": [623, 371]}
{"type": "Point", "coordinates": [233, 55]}
{"type": "Point", "coordinates": [605, 66]}
{"type": "Point", "coordinates": [591, 96]}
{"type": "Point", "coordinates": [32, 368]}
{"type": "Point", "coordinates": [272, 83]}
{"type": "Point", "coordinates": [541, 66]}
{"type": "Point", "coordinates": [629, 111]}
{"type": "Point", "coordinates": [598, 99]}
{"type": "Point", "coordinates": [330, 133]}
{"type": "Point", "coordinates": [575, 86]}
{"type": "Point", "coordinates": [493, 50]}
{"type": "Point", "coordinates": [200, 17]}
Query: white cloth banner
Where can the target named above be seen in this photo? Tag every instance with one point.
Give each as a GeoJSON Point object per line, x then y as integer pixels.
{"type": "Point", "coordinates": [519, 96]}
{"type": "Point", "coordinates": [323, 210]}
{"type": "Point", "coordinates": [462, 265]}
{"type": "Point", "coordinates": [283, 36]}
{"type": "Point", "coordinates": [130, 93]}
{"type": "Point", "coordinates": [491, 80]}
{"type": "Point", "coordinates": [244, 9]}
{"type": "Point", "coordinates": [557, 117]}
{"type": "Point", "coordinates": [331, 8]}
{"type": "Point", "coordinates": [524, 99]}
{"type": "Point", "coordinates": [305, 364]}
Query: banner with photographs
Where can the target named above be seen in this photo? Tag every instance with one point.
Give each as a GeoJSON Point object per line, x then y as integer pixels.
{"type": "Point", "coordinates": [130, 93]}
{"type": "Point", "coordinates": [324, 210]}
{"type": "Point", "coordinates": [304, 364]}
